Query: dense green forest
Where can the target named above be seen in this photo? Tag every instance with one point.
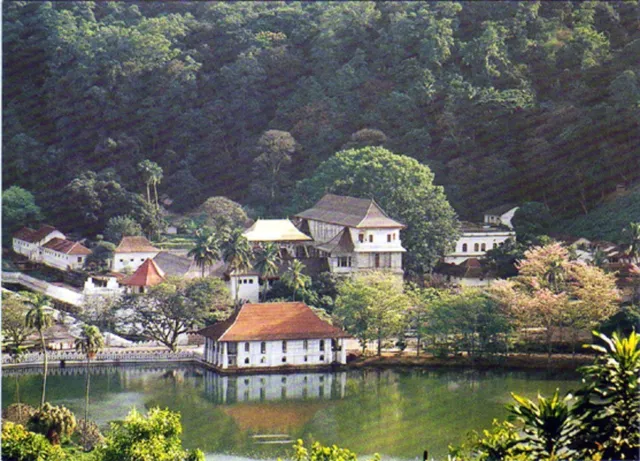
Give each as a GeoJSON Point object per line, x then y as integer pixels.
{"type": "Point", "coordinates": [504, 101]}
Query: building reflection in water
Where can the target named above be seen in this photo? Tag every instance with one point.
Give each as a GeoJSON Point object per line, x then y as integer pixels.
{"type": "Point", "coordinates": [225, 389]}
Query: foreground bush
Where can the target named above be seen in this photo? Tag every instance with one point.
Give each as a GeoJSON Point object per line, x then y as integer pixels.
{"type": "Point", "coordinates": [53, 422]}
{"type": "Point", "coordinates": [18, 413]}
{"type": "Point", "coordinates": [317, 452]}
{"type": "Point", "coordinates": [154, 437]}
{"type": "Point", "coordinates": [18, 444]}
{"type": "Point", "coordinates": [600, 423]}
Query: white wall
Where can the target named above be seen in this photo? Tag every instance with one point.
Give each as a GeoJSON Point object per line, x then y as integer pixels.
{"type": "Point", "coordinates": [489, 239]}
{"type": "Point", "coordinates": [273, 357]}
{"type": "Point", "coordinates": [249, 287]}
{"type": "Point", "coordinates": [130, 261]}
{"type": "Point", "coordinates": [24, 248]}
{"type": "Point", "coordinates": [60, 260]}
{"type": "Point", "coordinates": [507, 217]}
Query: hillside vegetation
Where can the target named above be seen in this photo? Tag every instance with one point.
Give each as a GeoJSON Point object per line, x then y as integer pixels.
{"type": "Point", "coordinates": [503, 101]}
{"type": "Point", "coordinates": [606, 221]}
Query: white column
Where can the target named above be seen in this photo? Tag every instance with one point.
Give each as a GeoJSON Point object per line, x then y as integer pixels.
{"type": "Point", "coordinates": [343, 351]}
{"type": "Point", "coordinates": [225, 357]}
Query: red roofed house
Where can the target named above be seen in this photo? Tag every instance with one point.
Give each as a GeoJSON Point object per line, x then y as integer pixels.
{"type": "Point", "coordinates": [64, 254]}
{"type": "Point", "coordinates": [270, 335]}
{"type": "Point", "coordinates": [131, 253]}
{"type": "Point", "coordinates": [28, 242]}
{"type": "Point", "coordinates": [147, 275]}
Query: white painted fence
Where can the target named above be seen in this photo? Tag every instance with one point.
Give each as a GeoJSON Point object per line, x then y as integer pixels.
{"type": "Point", "coordinates": [106, 356]}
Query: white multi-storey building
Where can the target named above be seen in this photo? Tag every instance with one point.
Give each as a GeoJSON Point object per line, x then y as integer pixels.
{"type": "Point", "coordinates": [29, 242]}
{"type": "Point", "coordinates": [353, 234]}
{"type": "Point", "coordinates": [271, 335]}
{"type": "Point", "coordinates": [64, 254]}
{"type": "Point", "coordinates": [475, 240]}
{"type": "Point", "coordinates": [131, 253]}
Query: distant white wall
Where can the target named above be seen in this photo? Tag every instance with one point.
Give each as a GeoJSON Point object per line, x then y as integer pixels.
{"type": "Point", "coordinates": [248, 287]}
{"type": "Point", "coordinates": [61, 260]}
{"type": "Point", "coordinates": [131, 261]}
{"type": "Point", "coordinates": [476, 245]}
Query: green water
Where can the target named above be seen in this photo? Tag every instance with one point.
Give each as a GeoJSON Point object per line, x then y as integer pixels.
{"type": "Point", "coordinates": [395, 413]}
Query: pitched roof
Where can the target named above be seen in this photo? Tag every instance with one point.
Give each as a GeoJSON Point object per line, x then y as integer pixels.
{"type": "Point", "coordinates": [500, 209]}
{"type": "Point", "coordinates": [31, 236]}
{"type": "Point", "coordinates": [135, 245]}
{"type": "Point", "coordinates": [272, 321]}
{"type": "Point", "coordinates": [147, 275]}
{"type": "Point", "coordinates": [67, 247]}
{"type": "Point", "coordinates": [175, 265]}
{"type": "Point", "coordinates": [26, 234]}
{"type": "Point", "coordinates": [275, 230]}
{"type": "Point", "coordinates": [351, 212]}
{"type": "Point", "coordinates": [342, 242]}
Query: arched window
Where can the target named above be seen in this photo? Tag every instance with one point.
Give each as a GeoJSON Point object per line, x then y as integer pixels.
{"type": "Point", "coordinates": [483, 247]}
{"type": "Point", "coordinates": [263, 360]}
{"type": "Point", "coordinates": [322, 358]}
{"type": "Point", "coordinates": [464, 247]}
{"type": "Point", "coordinates": [476, 247]}
{"type": "Point", "coordinates": [246, 360]}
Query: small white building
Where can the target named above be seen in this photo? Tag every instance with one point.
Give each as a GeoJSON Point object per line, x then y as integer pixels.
{"type": "Point", "coordinates": [475, 240]}
{"type": "Point", "coordinates": [131, 253]}
{"type": "Point", "coordinates": [29, 242]}
{"type": "Point", "coordinates": [247, 284]}
{"type": "Point", "coordinates": [273, 335]}
{"type": "Point", "coordinates": [64, 254]}
{"type": "Point", "coordinates": [501, 215]}
{"type": "Point", "coordinates": [354, 234]}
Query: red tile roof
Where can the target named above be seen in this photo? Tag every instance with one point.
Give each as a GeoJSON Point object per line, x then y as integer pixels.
{"type": "Point", "coordinates": [147, 275]}
{"type": "Point", "coordinates": [67, 247]}
{"type": "Point", "coordinates": [31, 236]}
{"type": "Point", "coordinates": [25, 234]}
{"type": "Point", "coordinates": [135, 245]}
{"type": "Point", "coordinates": [272, 321]}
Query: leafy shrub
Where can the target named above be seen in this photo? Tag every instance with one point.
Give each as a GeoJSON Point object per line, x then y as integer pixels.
{"type": "Point", "coordinates": [89, 436]}
{"type": "Point", "coordinates": [155, 436]}
{"type": "Point", "coordinates": [317, 452]}
{"type": "Point", "coordinates": [18, 444]}
{"type": "Point", "coordinates": [53, 422]}
{"type": "Point", "coordinates": [18, 413]}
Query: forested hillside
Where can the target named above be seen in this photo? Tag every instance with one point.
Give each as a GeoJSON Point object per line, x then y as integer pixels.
{"type": "Point", "coordinates": [504, 101]}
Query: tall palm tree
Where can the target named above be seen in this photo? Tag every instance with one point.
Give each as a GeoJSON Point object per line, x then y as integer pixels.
{"type": "Point", "coordinates": [152, 176]}
{"type": "Point", "coordinates": [207, 249]}
{"type": "Point", "coordinates": [237, 253]}
{"type": "Point", "coordinates": [156, 178]}
{"type": "Point", "coordinates": [89, 343]}
{"type": "Point", "coordinates": [267, 264]}
{"type": "Point", "coordinates": [38, 318]}
{"type": "Point", "coordinates": [294, 278]}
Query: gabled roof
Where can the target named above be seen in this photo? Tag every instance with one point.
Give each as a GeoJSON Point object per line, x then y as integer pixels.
{"type": "Point", "coordinates": [275, 230]}
{"type": "Point", "coordinates": [135, 245]}
{"type": "Point", "coordinates": [341, 243]}
{"type": "Point", "coordinates": [147, 275]}
{"type": "Point", "coordinates": [25, 234]}
{"type": "Point", "coordinates": [29, 235]}
{"type": "Point", "coordinates": [67, 247]}
{"type": "Point", "coordinates": [500, 209]}
{"type": "Point", "coordinates": [351, 212]}
{"type": "Point", "coordinates": [272, 321]}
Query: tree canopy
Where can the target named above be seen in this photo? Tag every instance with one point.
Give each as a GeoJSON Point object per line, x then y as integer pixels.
{"type": "Point", "coordinates": [401, 186]}
{"type": "Point", "coordinates": [493, 98]}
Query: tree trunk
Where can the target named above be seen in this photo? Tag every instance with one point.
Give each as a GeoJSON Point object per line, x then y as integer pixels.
{"type": "Point", "coordinates": [549, 344]}
{"type": "Point", "coordinates": [148, 194]}
{"type": "Point", "coordinates": [86, 403]}
{"type": "Point", "coordinates": [46, 364]}
{"type": "Point", "coordinates": [418, 346]}
{"type": "Point", "coordinates": [379, 345]}
{"type": "Point", "coordinates": [155, 192]}
{"type": "Point", "coordinates": [203, 271]}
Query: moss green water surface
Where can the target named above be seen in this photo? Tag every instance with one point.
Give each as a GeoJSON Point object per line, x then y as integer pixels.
{"type": "Point", "coordinates": [397, 413]}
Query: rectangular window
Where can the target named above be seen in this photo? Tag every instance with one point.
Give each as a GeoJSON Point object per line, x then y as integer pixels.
{"type": "Point", "coordinates": [79, 259]}
{"type": "Point", "coordinates": [305, 344]}
{"type": "Point", "coordinates": [388, 238]}
{"type": "Point", "coordinates": [361, 238]}
{"type": "Point", "coordinates": [263, 347]}
{"type": "Point", "coordinates": [344, 261]}
{"type": "Point", "coordinates": [247, 346]}
{"type": "Point", "coordinates": [284, 346]}
{"type": "Point", "coordinates": [322, 344]}
{"type": "Point", "coordinates": [371, 239]}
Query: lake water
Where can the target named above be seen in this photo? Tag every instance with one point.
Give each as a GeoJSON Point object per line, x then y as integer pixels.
{"type": "Point", "coordinates": [397, 413]}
